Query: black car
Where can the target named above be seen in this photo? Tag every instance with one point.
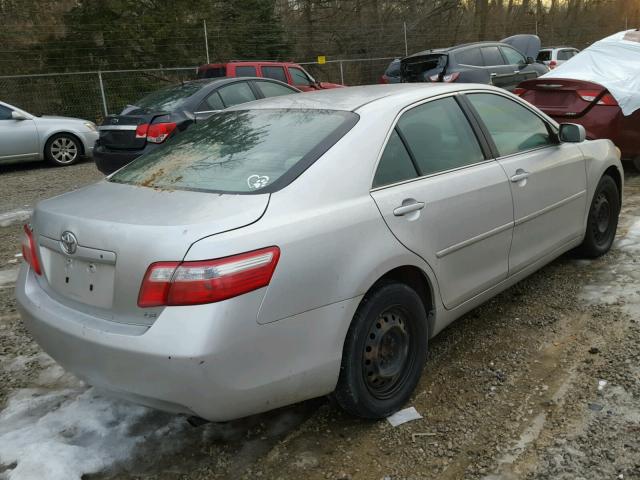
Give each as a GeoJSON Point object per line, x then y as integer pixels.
{"type": "Point", "coordinates": [164, 113]}
{"type": "Point", "coordinates": [503, 64]}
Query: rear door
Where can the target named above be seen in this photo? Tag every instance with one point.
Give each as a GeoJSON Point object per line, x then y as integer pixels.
{"type": "Point", "coordinates": [274, 71]}
{"type": "Point", "coordinates": [444, 200]}
{"type": "Point", "coordinates": [18, 138]}
{"type": "Point", "coordinates": [548, 179]}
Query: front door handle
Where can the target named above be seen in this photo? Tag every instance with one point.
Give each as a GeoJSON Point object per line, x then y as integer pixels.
{"type": "Point", "coordinates": [520, 175]}
{"type": "Point", "coordinates": [410, 207]}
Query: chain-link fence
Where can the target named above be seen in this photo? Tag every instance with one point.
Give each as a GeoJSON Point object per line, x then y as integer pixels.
{"type": "Point", "coordinates": [92, 95]}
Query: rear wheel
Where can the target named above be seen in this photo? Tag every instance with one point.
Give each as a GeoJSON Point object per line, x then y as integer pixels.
{"type": "Point", "coordinates": [603, 219]}
{"type": "Point", "coordinates": [384, 352]}
{"type": "Point", "coordinates": [62, 149]}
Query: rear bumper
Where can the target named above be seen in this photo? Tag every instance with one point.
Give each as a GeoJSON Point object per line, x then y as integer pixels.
{"type": "Point", "coordinates": [109, 160]}
{"type": "Point", "coordinates": [214, 361]}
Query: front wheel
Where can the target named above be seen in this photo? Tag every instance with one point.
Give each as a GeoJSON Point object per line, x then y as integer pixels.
{"type": "Point", "coordinates": [62, 149]}
{"type": "Point", "coordinates": [603, 219]}
{"type": "Point", "coordinates": [384, 352]}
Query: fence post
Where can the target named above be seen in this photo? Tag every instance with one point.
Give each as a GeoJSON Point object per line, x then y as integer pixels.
{"type": "Point", "coordinates": [406, 47]}
{"type": "Point", "coordinates": [341, 74]}
{"type": "Point", "coordinates": [206, 40]}
{"type": "Point", "coordinates": [104, 97]}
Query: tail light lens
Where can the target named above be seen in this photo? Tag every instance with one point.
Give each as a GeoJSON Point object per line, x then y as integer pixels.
{"type": "Point", "coordinates": [383, 79]}
{"type": "Point", "coordinates": [553, 64]}
{"type": "Point", "coordinates": [208, 281]}
{"type": "Point", "coordinates": [29, 250]}
{"type": "Point", "coordinates": [155, 132]}
{"type": "Point", "coordinates": [449, 78]}
{"type": "Point", "coordinates": [591, 95]}
{"type": "Point", "coordinates": [519, 91]}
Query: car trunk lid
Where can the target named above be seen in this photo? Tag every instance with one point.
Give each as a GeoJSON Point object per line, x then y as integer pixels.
{"type": "Point", "coordinates": [560, 97]}
{"type": "Point", "coordinates": [117, 231]}
{"type": "Point", "coordinates": [422, 66]}
{"type": "Point", "coordinates": [119, 131]}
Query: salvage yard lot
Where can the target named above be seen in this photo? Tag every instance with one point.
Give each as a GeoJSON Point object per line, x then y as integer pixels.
{"type": "Point", "coordinates": [510, 391]}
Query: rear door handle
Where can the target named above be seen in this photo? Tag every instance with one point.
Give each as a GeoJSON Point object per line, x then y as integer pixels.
{"type": "Point", "coordinates": [411, 207]}
{"type": "Point", "coordinates": [520, 175]}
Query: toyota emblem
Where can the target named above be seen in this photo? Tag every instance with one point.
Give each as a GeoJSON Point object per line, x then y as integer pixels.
{"type": "Point", "coordinates": [68, 242]}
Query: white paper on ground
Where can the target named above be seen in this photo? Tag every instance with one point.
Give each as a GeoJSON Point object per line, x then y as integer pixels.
{"type": "Point", "coordinates": [614, 63]}
{"type": "Point", "coordinates": [404, 416]}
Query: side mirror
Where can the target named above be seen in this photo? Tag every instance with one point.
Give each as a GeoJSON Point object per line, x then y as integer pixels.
{"type": "Point", "coordinates": [530, 60]}
{"type": "Point", "coordinates": [17, 115]}
{"type": "Point", "coordinates": [572, 133]}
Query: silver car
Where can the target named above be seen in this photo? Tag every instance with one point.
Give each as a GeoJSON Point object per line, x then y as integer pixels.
{"type": "Point", "coordinates": [59, 140]}
{"type": "Point", "coordinates": [309, 244]}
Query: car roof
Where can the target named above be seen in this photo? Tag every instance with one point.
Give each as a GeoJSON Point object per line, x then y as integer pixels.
{"type": "Point", "coordinates": [353, 98]}
{"type": "Point", "coordinates": [455, 47]}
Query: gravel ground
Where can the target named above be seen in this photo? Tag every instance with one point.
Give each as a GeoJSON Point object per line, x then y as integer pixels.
{"type": "Point", "coordinates": [543, 382]}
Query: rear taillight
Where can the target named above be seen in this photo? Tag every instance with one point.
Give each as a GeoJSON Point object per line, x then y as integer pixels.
{"type": "Point", "coordinates": [449, 78]}
{"type": "Point", "coordinates": [591, 95]}
{"type": "Point", "coordinates": [383, 79]}
{"type": "Point", "coordinates": [519, 91]}
{"type": "Point", "coordinates": [29, 250]}
{"type": "Point", "coordinates": [208, 281]}
{"type": "Point", "coordinates": [553, 64]}
{"type": "Point", "coordinates": [155, 132]}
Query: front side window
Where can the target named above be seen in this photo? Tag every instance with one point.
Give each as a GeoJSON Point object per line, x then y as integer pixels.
{"type": "Point", "coordinates": [5, 113]}
{"type": "Point", "coordinates": [564, 55]}
{"type": "Point", "coordinates": [513, 57]}
{"type": "Point", "coordinates": [246, 71]}
{"type": "Point", "coordinates": [395, 164]}
{"type": "Point", "coordinates": [271, 89]}
{"type": "Point", "coordinates": [277, 73]}
{"type": "Point", "coordinates": [512, 127]}
{"type": "Point", "coordinates": [491, 56]}
{"type": "Point", "coordinates": [244, 151]}
{"type": "Point", "coordinates": [298, 77]}
{"type": "Point", "coordinates": [236, 93]}
{"type": "Point", "coordinates": [439, 136]}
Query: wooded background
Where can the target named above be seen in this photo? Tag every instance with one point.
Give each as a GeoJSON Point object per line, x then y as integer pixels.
{"type": "Point", "coordinates": [39, 36]}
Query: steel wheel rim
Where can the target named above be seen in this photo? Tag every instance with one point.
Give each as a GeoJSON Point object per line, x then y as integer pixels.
{"type": "Point", "coordinates": [601, 224]}
{"type": "Point", "coordinates": [388, 353]}
{"type": "Point", "coordinates": [64, 150]}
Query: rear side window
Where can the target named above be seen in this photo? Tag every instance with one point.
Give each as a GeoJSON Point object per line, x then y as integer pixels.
{"type": "Point", "coordinates": [393, 70]}
{"type": "Point", "coordinates": [513, 57]}
{"type": "Point", "coordinates": [246, 71]}
{"type": "Point", "coordinates": [395, 164]}
{"type": "Point", "coordinates": [269, 89]}
{"type": "Point", "coordinates": [298, 77]}
{"type": "Point", "coordinates": [439, 137]}
{"type": "Point", "coordinates": [565, 54]}
{"type": "Point", "coordinates": [469, 57]}
{"type": "Point", "coordinates": [491, 56]}
{"type": "Point", "coordinates": [212, 72]}
{"type": "Point", "coordinates": [212, 102]}
{"type": "Point", "coordinates": [236, 93]}
{"type": "Point", "coordinates": [243, 151]}
{"type": "Point", "coordinates": [168, 98]}
{"type": "Point", "coordinates": [544, 56]}
{"type": "Point", "coordinates": [512, 127]}
{"type": "Point", "coordinates": [276, 73]}
{"type": "Point", "coordinates": [5, 113]}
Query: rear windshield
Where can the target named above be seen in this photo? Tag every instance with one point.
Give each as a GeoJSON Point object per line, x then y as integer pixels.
{"type": "Point", "coordinates": [544, 55]}
{"type": "Point", "coordinates": [393, 70]}
{"type": "Point", "coordinates": [419, 68]}
{"type": "Point", "coordinates": [168, 98]}
{"type": "Point", "coordinates": [245, 151]}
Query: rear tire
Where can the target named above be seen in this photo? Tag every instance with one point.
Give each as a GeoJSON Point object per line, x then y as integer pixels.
{"type": "Point", "coordinates": [384, 352]}
{"type": "Point", "coordinates": [63, 149]}
{"type": "Point", "coordinates": [603, 219]}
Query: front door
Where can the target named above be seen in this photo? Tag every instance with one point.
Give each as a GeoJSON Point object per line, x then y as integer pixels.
{"type": "Point", "coordinates": [548, 179]}
{"type": "Point", "coordinates": [445, 201]}
{"type": "Point", "coordinates": [501, 75]}
{"type": "Point", "coordinates": [18, 138]}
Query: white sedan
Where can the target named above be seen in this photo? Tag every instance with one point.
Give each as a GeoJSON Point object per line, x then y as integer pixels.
{"type": "Point", "coordinates": [59, 140]}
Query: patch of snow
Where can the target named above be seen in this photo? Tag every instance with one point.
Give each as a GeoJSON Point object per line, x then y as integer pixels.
{"type": "Point", "coordinates": [8, 276]}
{"type": "Point", "coordinates": [64, 434]}
{"type": "Point", "coordinates": [14, 216]}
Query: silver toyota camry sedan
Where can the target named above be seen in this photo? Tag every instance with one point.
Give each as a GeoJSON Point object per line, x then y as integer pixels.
{"type": "Point", "coordinates": [308, 245]}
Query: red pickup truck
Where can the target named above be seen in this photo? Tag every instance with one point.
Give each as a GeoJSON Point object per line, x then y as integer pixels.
{"type": "Point", "coordinates": [286, 72]}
